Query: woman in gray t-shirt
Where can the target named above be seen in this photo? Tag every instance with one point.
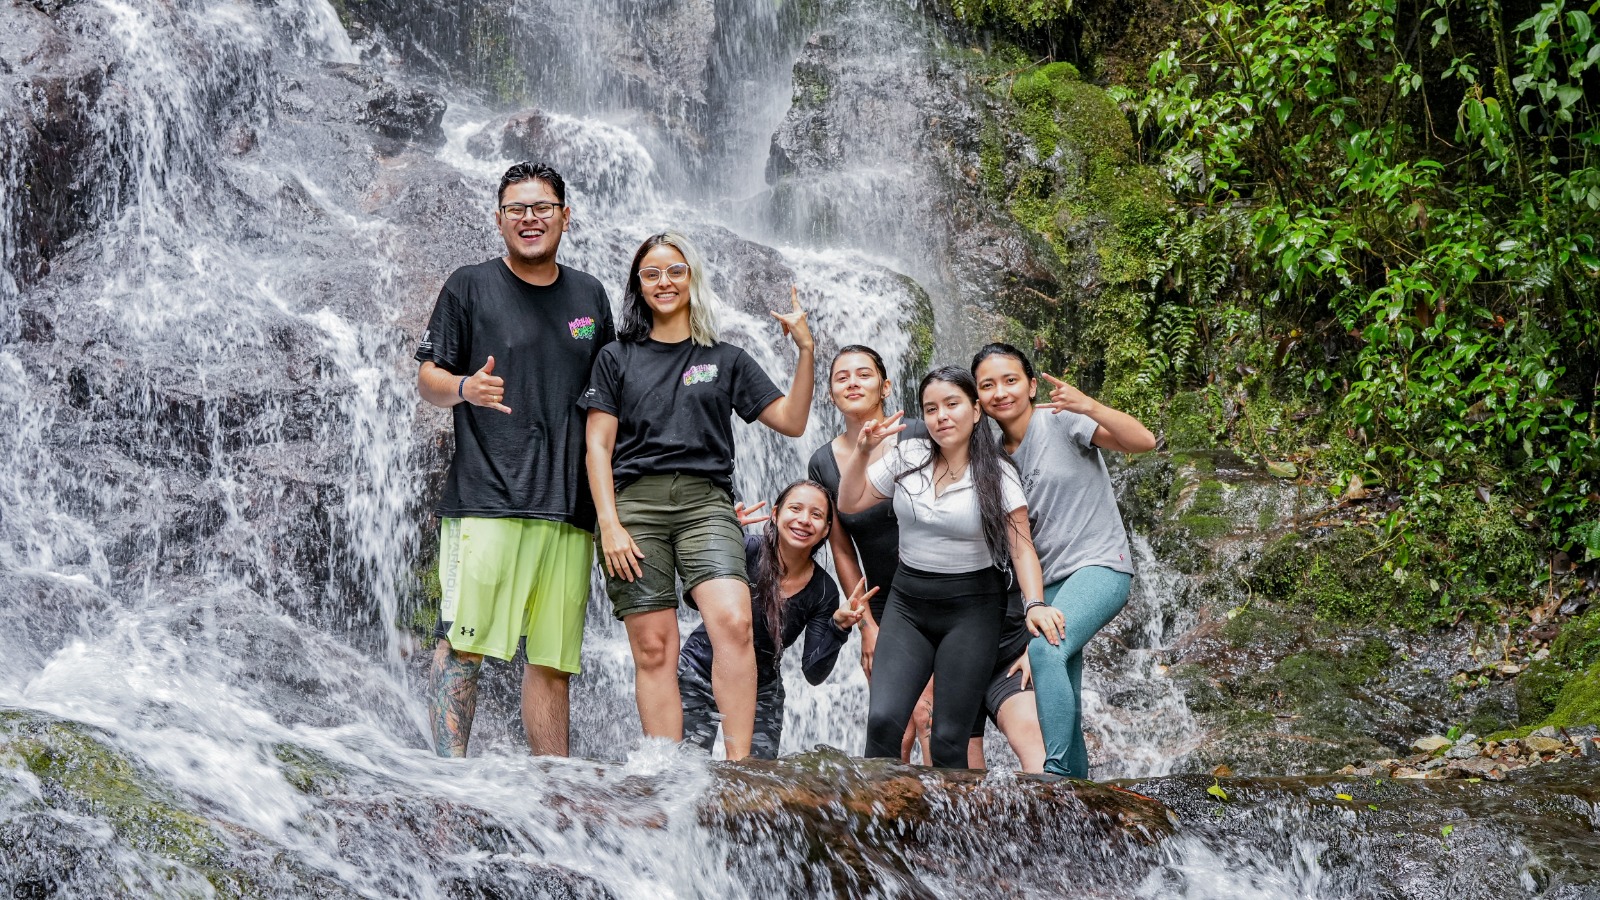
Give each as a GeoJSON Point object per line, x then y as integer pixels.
{"type": "Point", "coordinates": [1083, 549]}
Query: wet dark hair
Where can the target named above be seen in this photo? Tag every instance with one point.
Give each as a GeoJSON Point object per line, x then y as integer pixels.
{"type": "Point", "coordinates": [528, 171]}
{"type": "Point", "coordinates": [1001, 349]}
{"type": "Point", "coordinates": [877, 362]}
{"type": "Point", "coordinates": [987, 462]}
{"type": "Point", "coordinates": [766, 582]}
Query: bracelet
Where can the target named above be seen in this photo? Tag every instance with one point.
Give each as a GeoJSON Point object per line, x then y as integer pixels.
{"type": "Point", "coordinates": [462, 386]}
{"type": "Point", "coordinates": [1031, 605]}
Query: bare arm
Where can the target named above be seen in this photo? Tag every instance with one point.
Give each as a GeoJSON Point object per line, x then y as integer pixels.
{"type": "Point", "coordinates": [1024, 558]}
{"type": "Point", "coordinates": [1043, 621]}
{"type": "Point", "coordinates": [845, 562]}
{"type": "Point", "coordinates": [856, 492]}
{"type": "Point", "coordinates": [444, 389]}
{"type": "Point", "coordinates": [621, 554]}
{"type": "Point", "coordinates": [1116, 429]}
{"type": "Point", "coordinates": [788, 414]}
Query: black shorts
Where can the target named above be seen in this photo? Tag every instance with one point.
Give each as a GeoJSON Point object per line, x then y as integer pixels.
{"type": "Point", "coordinates": [1002, 687]}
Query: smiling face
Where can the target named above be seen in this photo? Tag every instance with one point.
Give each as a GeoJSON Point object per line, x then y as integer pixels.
{"type": "Point", "coordinates": [949, 414]}
{"type": "Point", "coordinates": [530, 239]}
{"type": "Point", "coordinates": [666, 296]}
{"type": "Point", "coordinates": [1004, 388]}
{"type": "Point", "coordinates": [855, 385]}
{"type": "Point", "coordinates": [803, 518]}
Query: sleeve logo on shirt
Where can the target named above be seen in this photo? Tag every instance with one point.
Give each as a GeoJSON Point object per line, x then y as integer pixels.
{"type": "Point", "coordinates": [426, 344]}
{"type": "Point", "coordinates": [701, 374]}
{"type": "Point", "coordinates": [582, 328]}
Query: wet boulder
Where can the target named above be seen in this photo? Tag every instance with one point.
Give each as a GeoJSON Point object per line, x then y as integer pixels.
{"type": "Point", "coordinates": [405, 114]}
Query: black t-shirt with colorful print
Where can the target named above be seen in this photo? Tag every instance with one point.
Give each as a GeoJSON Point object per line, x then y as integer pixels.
{"type": "Point", "coordinates": [674, 405]}
{"type": "Point", "coordinates": [544, 339]}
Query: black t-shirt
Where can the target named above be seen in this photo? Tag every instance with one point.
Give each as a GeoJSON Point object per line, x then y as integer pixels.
{"type": "Point", "coordinates": [875, 530]}
{"type": "Point", "coordinates": [674, 405]}
{"type": "Point", "coordinates": [809, 612]}
{"type": "Point", "coordinates": [544, 339]}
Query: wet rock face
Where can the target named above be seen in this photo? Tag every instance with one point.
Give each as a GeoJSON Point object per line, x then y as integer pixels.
{"type": "Point", "coordinates": [1533, 834]}
{"type": "Point", "coordinates": [880, 146]}
{"type": "Point", "coordinates": [508, 878]}
{"type": "Point", "coordinates": [1279, 638]}
{"type": "Point", "coordinates": [653, 56]}
{"type": "Point", "coordinates": [406, 115]}
{"type": "Point", "coordinates": [50, 81]}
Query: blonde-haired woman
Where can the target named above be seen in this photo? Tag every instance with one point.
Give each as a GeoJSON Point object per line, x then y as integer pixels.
{"type": "Point", "coordinates": [660, 457]}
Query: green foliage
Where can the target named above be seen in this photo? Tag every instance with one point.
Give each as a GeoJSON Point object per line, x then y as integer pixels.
{"type": "Point", "coordinates": [1022, 13]}
{"type": "Point", "coordinates": [1340, 579]}
{"type": "Point", "coordinates": [1396, 204]}
{"type": "Point", "coordinates": [1071, 171]}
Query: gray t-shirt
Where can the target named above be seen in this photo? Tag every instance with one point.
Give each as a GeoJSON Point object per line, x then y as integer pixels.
{"type": "Point", "coordinates": [1071, 507]}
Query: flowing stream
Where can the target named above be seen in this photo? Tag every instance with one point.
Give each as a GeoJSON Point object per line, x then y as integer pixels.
{"type": "Point", "coordinates": [215, 472]}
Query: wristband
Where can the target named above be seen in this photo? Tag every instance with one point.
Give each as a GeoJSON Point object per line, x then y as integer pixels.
{"type": "Point", "coordinates": [1031, 605]}
{"type": "Point", "coordinates": [461, 386]}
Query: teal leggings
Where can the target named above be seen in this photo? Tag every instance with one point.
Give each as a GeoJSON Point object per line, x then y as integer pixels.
{"type": "Point", "coordinates": [1088, 598]}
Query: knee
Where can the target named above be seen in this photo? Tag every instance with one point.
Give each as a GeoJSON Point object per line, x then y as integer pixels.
{"type": "Point", "coordinates": [654, 653]}
{"type": "Point", "coordinates": [1042, 653]}
{"type": "Point", "coordinates": [730, 628]}
{"type": "Point", "coordinates": [883, 729]}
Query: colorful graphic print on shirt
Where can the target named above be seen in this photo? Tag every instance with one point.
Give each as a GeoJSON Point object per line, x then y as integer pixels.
{"type": "Point", "coordinates": [582, 328]}
{"type": "Point", "coordinates": [701, 374]}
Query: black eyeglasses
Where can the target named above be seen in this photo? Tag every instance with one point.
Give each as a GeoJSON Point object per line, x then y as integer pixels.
{"type": "Point", "coordinates": [518, 211]}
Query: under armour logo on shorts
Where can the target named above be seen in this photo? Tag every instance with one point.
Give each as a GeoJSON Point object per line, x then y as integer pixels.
{"type": "Point", "coordinates": [469, 632]}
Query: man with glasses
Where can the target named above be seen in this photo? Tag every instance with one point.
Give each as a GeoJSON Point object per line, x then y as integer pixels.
{"type": "Point", "coordinates": [508, 349]}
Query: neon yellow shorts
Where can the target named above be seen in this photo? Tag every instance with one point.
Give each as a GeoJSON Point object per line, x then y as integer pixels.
{"type": "Point", "coordinates": [503, 580]}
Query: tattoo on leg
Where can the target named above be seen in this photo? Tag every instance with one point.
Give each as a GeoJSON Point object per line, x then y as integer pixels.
{"type": "Point", "coordinates": [452, 700]}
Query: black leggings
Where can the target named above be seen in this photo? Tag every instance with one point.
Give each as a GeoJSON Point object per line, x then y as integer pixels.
{"type": "Point", "coordinates": [947, 626]}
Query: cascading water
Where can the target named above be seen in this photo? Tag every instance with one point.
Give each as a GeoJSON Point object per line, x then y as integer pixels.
{"type": "Point", "coordinates": [214, 478]}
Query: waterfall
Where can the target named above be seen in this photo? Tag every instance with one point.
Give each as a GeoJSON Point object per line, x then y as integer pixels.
{"type": "Point", "coordinates": [215, 471]}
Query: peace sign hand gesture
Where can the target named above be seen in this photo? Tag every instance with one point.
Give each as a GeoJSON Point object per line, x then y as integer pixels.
{"type": "Point", "coordinates": [750, 515]}
{"type": "Point", "coordinates": [852, 613]}
{"type": "Point", "coordinates": [874, 431]}
{"type": "Point", "coordinates": [1066, 397]}
{"type": "Point", "coordinates": [794, 323]}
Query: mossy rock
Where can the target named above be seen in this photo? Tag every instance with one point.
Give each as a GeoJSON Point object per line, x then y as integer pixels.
{"type": "Point", "coordinates": [81, 773]}
{"type": "Point", "coordinates": [1059, 156]}
{"type": "Point", "coordinates": [308, 771]}
{"type": "Point", "coordinates": [1539, 688]}
{"type": "Point", "coordinates": [1339, 576]}
{"type": "Point", "coordinates": [1578, 645]}
{"type": "Point", "coordinates": [1579, 703]}
{"type": "Point", "coordinates": [1263, 628]}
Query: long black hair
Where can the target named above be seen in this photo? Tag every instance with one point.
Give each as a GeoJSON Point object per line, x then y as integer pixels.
{"type": "Point", "coordinates": [1003, 349]}
{"type": "Point", "coordinates": [987, 464]}
{"type": "Point", "coordinates": [766, 582]}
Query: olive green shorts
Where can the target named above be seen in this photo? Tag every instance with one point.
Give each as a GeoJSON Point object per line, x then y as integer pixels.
{"type": "Point", "coordinates": [502, 580]}
{"type": "Point", "coordinates": [685, 527]}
